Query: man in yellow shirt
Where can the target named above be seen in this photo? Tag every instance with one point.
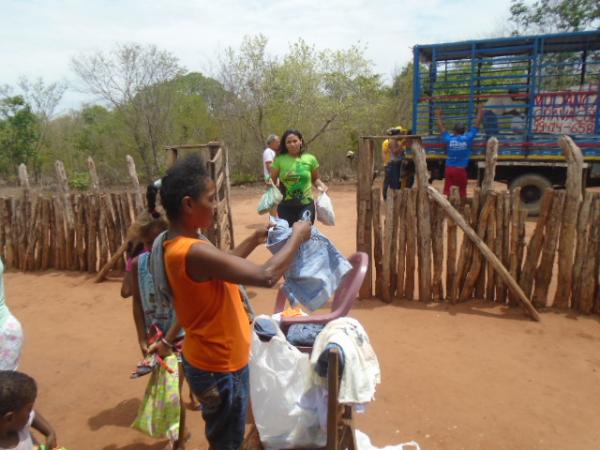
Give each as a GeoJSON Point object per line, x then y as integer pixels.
{"type": "Point", "coordinates": [392, 152]}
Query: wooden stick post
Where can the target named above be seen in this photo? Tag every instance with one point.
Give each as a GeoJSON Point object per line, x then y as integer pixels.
{"type": "Point", "coordinates": [424, 222]}
{"type": "Point", "coordinates": [377, 242]}
{"type": "Point", "coordinates": [582, 246]}
{"type": "Point", "coordinates": [543, 274]}
{"type": "Point", "coordinates": [136, 184]}
{"type": "Point", "coordinates": [473, 273]}
{"type": "Point", "coordinates": [566, 248]}
{"type": "Point", "coordinates": [487, 253]}
{"type": "Point", "coordinates": [588, 280]}
{"type": "Point", "coordinates": [411, 227]}
{"type": "Point", "coordinates": [534, 249]}
{"type": "Point", "coordinates": [364, 230]}
{"type": "Point", "coordinates": [452, 243]}
{"type": "Point", "coordinates": [491, 156]}
{"type": "Point", "coordinates": [401, 256]}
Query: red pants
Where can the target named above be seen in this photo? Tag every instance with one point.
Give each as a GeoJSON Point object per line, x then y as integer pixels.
{"type": "Point", "coordinates": [456, 176]}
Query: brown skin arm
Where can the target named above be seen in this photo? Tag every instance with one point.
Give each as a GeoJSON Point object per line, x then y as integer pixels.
{"type": "Point", "coordinates": [250, 243]}
{"type": "Point", "coordinates": [268, 165]}
{"type": "Point", "coordinates": [317, 181]}
{"type": "Point", "coordinates": [439, 115]}
{"type": "Point", "coordinates": [126, 285]}
{"type": "Point", "coordinates": [43, 426]}
{"type": "Point", "coordinates": [206, 262]}
{"type": "Point", "coordinates": [274, 175]}
{"type": "Point", "coordinates": [138, 312]}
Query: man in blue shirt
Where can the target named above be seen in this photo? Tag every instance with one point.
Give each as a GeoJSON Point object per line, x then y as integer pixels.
{"type": "Point", "coordinates": [459, 146]}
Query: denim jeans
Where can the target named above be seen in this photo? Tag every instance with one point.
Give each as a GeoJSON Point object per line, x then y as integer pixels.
{"type": "Point", "coordinates": [224, 398]}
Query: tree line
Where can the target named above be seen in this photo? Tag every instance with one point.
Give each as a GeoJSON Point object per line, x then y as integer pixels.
{"type": "Point", "coordinates": [147, 99]}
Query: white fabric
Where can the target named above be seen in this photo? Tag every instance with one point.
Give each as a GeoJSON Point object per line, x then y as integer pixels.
{"type": "Point", "coordinates": [268, 156]}
{"type": "Point", "coordinates": [25, 442]}
{"type": "Point", "coordinates": [364, 443]}
{"type": "Point", "coordinates": [361, 368]}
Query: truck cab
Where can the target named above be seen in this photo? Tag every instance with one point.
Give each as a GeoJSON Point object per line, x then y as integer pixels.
{"type": "Point", "coordinates": [534, 89]}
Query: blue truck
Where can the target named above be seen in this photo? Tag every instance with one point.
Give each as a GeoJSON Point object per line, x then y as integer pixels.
{"type": "Point", "coordinates": [534, 89]}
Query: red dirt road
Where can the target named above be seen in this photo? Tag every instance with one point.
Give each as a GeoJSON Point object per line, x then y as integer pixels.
{"type": "Point", "coordinates": [472, 376]}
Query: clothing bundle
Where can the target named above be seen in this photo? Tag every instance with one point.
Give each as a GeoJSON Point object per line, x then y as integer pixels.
{"type": "Point", "coordinates": [317, 270]}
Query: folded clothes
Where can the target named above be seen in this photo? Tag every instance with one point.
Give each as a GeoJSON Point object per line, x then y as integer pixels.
{"type": "Point", "coordinates": [265, 329]}
{"type": "Point", "coordinates": [304, 334]}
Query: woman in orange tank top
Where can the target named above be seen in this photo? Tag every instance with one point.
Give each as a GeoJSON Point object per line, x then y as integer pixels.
{"type": "Point", "coordinates": [204, 282]}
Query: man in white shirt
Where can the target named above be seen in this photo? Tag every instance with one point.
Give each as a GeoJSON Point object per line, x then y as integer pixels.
{"type": "Point", "coordinates": [269, 155]}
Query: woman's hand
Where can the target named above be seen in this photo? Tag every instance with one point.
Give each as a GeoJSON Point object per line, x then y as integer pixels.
{"type": "Point", "coordinates": [261, 234]}
{"type": "Point", "coordinates": [321, 186]}
{"type": "Point", "coordinates": [302, 229]}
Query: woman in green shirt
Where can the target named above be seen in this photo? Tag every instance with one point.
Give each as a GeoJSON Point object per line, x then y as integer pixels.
{"type": "Point", "coordinates": [297, 172]}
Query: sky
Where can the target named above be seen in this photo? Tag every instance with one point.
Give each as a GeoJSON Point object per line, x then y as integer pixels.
{"type": "Point", "coordinates": [38, 38]}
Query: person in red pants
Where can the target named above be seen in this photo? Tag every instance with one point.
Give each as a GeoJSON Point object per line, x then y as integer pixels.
{"type": "Point", "coordinates": [459, 146]}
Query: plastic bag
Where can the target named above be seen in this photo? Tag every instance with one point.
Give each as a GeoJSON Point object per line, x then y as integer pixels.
{"type": "Point", "coordinates": [364, 443]}
{"type": "Point", "coordinates": [158, 415]}
{"type": "Point", "coordinates": [271, 198]}
{"type": "Point", "coordinates": [324, 208]}
{"type": "Point", "coordinates": [280, 380]}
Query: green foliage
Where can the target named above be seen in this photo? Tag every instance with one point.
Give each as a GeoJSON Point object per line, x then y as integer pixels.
{"type": "Point", "coordinates": [544, 16]}
{"type": "Point", "coordinates": [79, 181]}
{"type": "Point", "coordinates": [18, 134]}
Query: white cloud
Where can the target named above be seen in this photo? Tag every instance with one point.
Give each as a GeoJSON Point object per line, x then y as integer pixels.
{"type": "Point", "coordinates": [39, 37]}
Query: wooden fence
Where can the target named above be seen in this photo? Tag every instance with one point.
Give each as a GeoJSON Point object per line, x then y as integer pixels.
{"type": "Point", "coordinates": [419, 253]}
{"type": "Point", "coordinates": [86, 231]}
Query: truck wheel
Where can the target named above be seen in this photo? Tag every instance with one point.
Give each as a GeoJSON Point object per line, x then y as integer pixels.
{"type": "Point", "coordinates": [532, 189]}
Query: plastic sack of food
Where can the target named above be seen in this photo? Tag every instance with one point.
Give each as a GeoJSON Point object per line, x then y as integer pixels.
{"type": "Point", "coordinates": [324, 208]}
{"type": "Point", "coordinates": [280, 383]}
{"type": "Point", "coordinates": [271, 198]}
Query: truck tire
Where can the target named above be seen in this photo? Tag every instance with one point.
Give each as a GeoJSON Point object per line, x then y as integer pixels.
{"type": "Point", "coordinates": [532, 189]}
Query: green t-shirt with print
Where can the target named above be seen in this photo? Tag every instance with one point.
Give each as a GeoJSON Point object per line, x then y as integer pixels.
{"type": "Point", "coordinates": [295, 172]}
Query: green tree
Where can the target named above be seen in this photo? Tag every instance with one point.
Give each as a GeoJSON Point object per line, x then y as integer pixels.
{"type": "Point", "coordinates": [543, 16]}
{"type": "Point", "coordinates": [18, 134]}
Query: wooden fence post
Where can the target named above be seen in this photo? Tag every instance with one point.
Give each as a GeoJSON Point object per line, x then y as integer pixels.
{"type": "Point", "coordinates": [364, 229]}
{"type": "Point", "coordinates": [424, 222]}
{"type": "Point", "coordinates": [139, 206]}
{"type": "Point", "coordinates": [534, 249]}
{"type": "Point", "coordinates": [543, 274]}
{"type": "Point", "coordinates": [401, 254]}
{"type": "Point", "coordinates": [588, 280]}
{"type": "Point", "coordinates": [487, 253]}
{"type": "Point", "coordinates": [377, 242]}
{"type": "Point", "coordinates": [411, 229]}
{"type": "Point", "coordinates": [451, 280]}
{"type": "Point", "coordinates": [491, 156]}
{"type": "Point", "coordinates": [566, 247]}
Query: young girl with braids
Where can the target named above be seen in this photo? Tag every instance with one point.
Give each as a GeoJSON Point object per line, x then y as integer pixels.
{"type": "Point", "coordinates": [151, 313]}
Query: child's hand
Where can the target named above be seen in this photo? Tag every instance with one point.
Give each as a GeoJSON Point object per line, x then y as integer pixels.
{"type": "Point", "coordinates": [160, 348]}
{"type": "Point", "coordinates": [51, 440]}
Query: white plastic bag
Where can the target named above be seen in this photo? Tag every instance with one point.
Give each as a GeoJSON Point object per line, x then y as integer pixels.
{"type": "Point", "coordinates": [364, 443]}
{"type": "Point", "coordinates": [324, 207]}
{"type": "Point", "coordinates": [279, 380]}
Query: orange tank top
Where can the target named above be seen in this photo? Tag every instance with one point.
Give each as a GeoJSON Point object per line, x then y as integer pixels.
{"type": "Point", "coordinates": [217, 332]}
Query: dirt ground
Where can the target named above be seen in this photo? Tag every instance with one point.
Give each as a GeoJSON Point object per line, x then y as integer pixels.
{"type": "Point", "coordinates": [472, 376]}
